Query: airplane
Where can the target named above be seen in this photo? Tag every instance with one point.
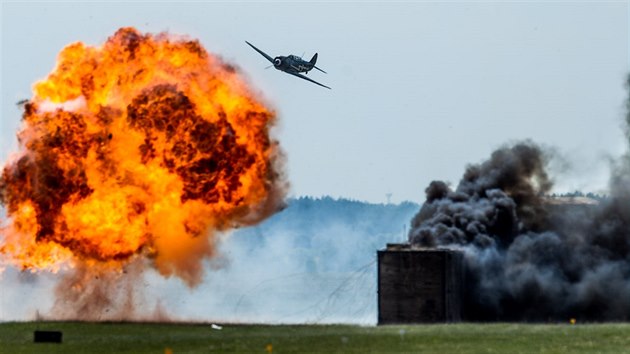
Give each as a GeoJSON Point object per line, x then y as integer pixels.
{"type": "Point", "coordinates": [293, 65]}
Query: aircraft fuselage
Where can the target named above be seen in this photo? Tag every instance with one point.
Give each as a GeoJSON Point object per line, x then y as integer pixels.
{"type": "Point", "coordinates": [292, 63]}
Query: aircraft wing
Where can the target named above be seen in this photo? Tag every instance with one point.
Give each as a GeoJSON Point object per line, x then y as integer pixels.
{"type": "Point", "coordinates": [307, 79]}
{"type": "Point", "coordinates": [320, 69]}
{"type": "Point", "coordinates": [261, 52]}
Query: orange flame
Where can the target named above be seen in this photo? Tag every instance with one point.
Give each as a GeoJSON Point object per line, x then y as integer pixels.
{"type": "Point", "coordinates": [143, 146]}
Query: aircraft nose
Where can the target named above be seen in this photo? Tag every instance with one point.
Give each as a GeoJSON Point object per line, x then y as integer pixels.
{"type": "Point", "coordinates": [277, 62]}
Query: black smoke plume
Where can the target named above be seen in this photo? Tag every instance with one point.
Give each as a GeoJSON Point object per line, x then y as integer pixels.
{"type": "Point", "coordinates": [526, 257]}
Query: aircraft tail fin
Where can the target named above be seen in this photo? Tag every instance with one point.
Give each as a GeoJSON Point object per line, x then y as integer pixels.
{"type": "Point", "coordinates": [313, 61]}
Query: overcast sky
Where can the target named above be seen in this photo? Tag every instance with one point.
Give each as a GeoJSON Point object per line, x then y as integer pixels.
{"type": "Point", "coordinates": [420, 89]}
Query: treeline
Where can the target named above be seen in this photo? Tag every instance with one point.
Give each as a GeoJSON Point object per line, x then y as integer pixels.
{"type": "Point", "coordinates": [577, 194]}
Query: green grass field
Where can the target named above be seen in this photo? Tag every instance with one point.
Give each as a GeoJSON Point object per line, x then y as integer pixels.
{"type": "Point", "coordinates": [81, 337]}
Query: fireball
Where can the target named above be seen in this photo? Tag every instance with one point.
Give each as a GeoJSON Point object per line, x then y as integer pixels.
{"type": "Point", "coordinates": [142, 147]}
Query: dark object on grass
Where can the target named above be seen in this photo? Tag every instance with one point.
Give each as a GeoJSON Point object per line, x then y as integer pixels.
{"type": "Point", "coordinates": [47, 337]}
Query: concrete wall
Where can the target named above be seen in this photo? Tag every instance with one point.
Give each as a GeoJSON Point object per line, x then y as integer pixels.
{"type": "Point", "coordinates": [419, 285]}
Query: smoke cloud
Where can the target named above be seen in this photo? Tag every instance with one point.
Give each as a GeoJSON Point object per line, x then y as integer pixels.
{"type": "Point", "coordinates": [528, 257]}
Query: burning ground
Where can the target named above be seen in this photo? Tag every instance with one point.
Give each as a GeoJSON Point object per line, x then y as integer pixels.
{"type": "Point", "coordinates": [135, 154]}
{"type": "Point", "coordinates": [525, 258]}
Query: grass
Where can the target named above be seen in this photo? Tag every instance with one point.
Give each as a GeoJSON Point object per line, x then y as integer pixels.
{"type": "Point", "coordinates": [82, 337]}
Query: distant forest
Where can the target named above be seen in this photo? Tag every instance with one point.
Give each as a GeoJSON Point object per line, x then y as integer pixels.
{"type": "Point", "coordinates": [577, 194]}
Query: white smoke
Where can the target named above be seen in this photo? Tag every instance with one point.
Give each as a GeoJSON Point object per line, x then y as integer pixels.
{"type": "Point", "coordinates": [315, 262]}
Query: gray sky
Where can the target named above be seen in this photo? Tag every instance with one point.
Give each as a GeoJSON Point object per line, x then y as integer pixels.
{"type": "Point", "coordinates": [420, 89]}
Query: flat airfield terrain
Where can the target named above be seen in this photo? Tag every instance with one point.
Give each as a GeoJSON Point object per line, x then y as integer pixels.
{"type": "Point", "coordinates": [89, 337]}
